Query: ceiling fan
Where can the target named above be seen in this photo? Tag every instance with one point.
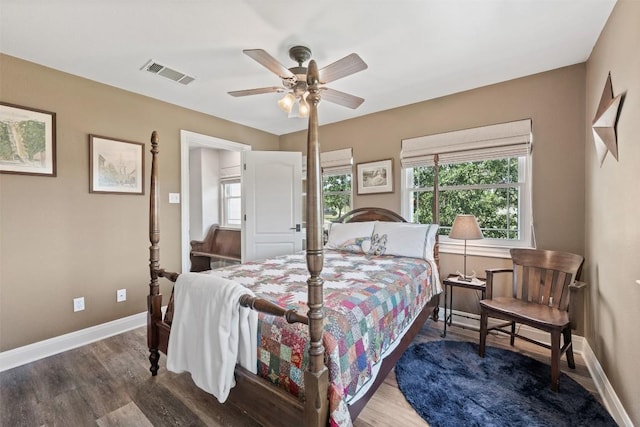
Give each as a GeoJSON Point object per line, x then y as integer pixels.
{"type": "Point", "coordinates": [294, 79]}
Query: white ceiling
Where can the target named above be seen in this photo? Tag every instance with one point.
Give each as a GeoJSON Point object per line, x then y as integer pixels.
{"type": "Point", "coordinates": [415, 49]}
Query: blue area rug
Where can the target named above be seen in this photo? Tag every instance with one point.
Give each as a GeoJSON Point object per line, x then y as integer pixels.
{"type": "Point", "coordinates": [448, 384]}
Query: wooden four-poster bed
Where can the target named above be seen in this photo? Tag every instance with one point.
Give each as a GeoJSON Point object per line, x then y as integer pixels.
{"type": "Point", "coordinates": [399, 322]}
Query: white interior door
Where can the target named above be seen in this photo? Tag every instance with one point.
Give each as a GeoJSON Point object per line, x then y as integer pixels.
{"type": "Point", "coordinates": [271, 203]}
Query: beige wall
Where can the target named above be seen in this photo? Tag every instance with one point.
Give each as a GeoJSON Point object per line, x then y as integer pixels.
{"type": "Point", "coordinates": [553, 100]}
{"type": "Point", "coordinates": [613, 208]}
{"type": "Point", "coordinates": [57, 241]}
{"type": "Point", "coordinates": [54, 225]}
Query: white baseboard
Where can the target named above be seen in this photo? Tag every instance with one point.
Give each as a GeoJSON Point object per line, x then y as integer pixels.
{"type": "Point", "coordinates": [29, 353]}
{"type": "Point", "coordinates": [39, 350]}
{"type": "Point", "coordinates": [609, 396]}
{"type": "Point", "coordinates": [580, 346]}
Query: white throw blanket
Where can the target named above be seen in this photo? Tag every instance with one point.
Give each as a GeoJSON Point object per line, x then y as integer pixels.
{"type": "Point", "coordinates": [211, 332]}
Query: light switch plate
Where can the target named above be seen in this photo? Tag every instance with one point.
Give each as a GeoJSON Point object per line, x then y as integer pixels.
{"type": "Point", "coordinates": [174, 197]}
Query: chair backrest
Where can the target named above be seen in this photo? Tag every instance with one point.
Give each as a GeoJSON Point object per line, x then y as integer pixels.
{"type": "Point", "coordinates": [543, 277]}
{"type": "Point", "coordinates": [219, 241]}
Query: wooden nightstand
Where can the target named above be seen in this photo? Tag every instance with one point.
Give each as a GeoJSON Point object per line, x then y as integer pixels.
{"type": "Point", "coordinates": [451, 281]}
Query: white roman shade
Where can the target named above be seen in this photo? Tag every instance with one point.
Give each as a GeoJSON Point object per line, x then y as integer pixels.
{"type": "Point", "coordinates": [229, 165]}
{"type": "Point", "coordinates": [230, 172]}
{"type": "Point", "coordinates": [337, 162]}
{"type": "Point", "coordinates": [502, 140]}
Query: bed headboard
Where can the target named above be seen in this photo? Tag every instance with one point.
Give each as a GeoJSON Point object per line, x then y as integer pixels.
{"type": "Point", "coordinates": [370, 214]}
{"type": "Point", "coordinates": [382, 214]}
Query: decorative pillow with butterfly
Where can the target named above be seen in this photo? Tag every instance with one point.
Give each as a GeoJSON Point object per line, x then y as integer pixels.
{"type": "Point", "coordinates": [403, 239]}
{"type": "Point", "coordinates": [384, 238]}
{"type": "Point", "coordinates": [377, 245]}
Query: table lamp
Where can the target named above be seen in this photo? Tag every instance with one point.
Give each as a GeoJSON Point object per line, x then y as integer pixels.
{"type": "Point", "coordinates": [465, 227]}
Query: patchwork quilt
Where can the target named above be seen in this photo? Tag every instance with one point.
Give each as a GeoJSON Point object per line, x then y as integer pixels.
{"type": "Point", "coordinates": [368, 301]}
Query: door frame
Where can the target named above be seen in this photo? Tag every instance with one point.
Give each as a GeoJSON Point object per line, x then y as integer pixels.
{"type": "Point", "coordinates": [190, 140]}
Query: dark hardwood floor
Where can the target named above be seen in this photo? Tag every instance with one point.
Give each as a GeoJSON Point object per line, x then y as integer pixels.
{"type": "Point", "coordinates": [108, 383]}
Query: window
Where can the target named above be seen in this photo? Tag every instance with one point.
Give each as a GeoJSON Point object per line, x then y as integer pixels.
{"type": "Point", "coordinates": [481, 171]}
{"type": "Point", "coordinates": [336, 183]}
{"type": "Point", "coordinates": [336, 194]}
{"type": "Point", "coordinates": [231, 203]}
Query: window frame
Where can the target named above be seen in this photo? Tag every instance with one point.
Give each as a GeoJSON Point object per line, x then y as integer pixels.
{"type": "Point", "coordinates": [224, 203]}
{"type": "Point", "coordinates": [473, 145]}
{"type": "Point", "coordinates": [334, 162]}
{"type": "Point", "coordinates": [487, 246]}
{"type": "Point", "coordinates": [335, 172]}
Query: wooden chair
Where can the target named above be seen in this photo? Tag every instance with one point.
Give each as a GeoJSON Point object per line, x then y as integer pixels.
{"type": "Point", "coordinates": [542, 284]}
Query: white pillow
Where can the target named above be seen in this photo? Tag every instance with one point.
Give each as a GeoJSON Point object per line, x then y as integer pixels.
{"type": "Point", "coordinates": [404, 239]}
{"type": "Point", "coordinates": [350, 236]}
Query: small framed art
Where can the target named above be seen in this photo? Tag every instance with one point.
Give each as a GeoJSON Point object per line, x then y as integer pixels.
{"type": "Point", "coordinates": [375, 177]}
{"type": "Point", "coordinates": [115, 166]}
{"type": "Point", "coordinates": [27, 140]}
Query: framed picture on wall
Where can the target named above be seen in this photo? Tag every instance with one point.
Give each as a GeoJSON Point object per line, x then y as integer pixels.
{"type": "Point", "coordinates": [375, 177]}
{"type": "Point", "coordinates": [115, 166]}
{"type": "Point", "coordinates": [27, 140]}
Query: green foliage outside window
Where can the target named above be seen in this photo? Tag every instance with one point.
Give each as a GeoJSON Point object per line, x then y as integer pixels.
{"type": "Point", "coordinates": [336, 191]}
{"type": "Point", "coordinates": [488, 189]}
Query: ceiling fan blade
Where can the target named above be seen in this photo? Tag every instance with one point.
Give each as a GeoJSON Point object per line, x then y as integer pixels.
{"type": "Point", "coordinates": [257, 91]}
{"type": "Point", "coordinates": [341, 98]}
{"type": "Point", "coordinates": [344, 67]}
{"type": "Point", "coordinates": [269, 62]}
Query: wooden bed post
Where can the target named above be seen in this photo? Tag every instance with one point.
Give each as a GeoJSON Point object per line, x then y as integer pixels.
{"type": "Point", "coordinates": [154, 300]}
{"type": "Point", "coordinates": [316, 378]}
{"type": "Point", "coordinates": [435, 211]}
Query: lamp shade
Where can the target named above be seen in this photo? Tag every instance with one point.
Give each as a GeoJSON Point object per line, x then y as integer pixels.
{"type": "Point", "coordinates": [303, 108]}
{"type": "Point", "coordinates": [286, 102]}
{"type": "Point", "coordinates": [465, 227]}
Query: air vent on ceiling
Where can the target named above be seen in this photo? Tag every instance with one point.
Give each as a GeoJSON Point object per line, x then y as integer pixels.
{"type": "Point", "coordinates": [164, 71]}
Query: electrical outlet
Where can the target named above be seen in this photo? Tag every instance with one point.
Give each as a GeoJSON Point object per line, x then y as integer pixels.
{"type": "Point", "coordinates": [78, 304]}
{"type": "Point", "coordinates": [121, 295]}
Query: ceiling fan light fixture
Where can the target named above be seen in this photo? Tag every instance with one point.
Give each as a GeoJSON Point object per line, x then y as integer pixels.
{"type": "Point", "coordinates": [294, 80]}
{"type": "Point", "coordinates": [286, 102]}
{"type": "Point", "coordinates": [300, 108]}
{"type": "Point", "coordinates": [303, 108]}
{"type": "Point", "coordinates": [295, 110]}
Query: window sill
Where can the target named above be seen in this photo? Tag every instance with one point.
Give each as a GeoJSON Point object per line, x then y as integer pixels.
{"type": "Point", "coordinates": [447, 246]}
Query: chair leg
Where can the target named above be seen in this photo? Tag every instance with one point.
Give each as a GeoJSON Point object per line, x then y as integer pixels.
{"type": "Point", "coordinates": [555, 360]}
{"type": "Point", "coordinates": [483, 332]}
{"type": "Point", "coordinates": [513, 333]}
{"type": "Point", "coordinates": [567, 342]}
